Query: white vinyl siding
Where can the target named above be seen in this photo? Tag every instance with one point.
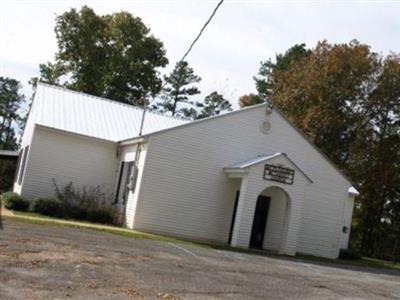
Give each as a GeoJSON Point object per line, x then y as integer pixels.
{"type": "Point", "coordinates": [256, 185]}
{"type": "Point", "coordinates": [184, 191]}
{"type": "Point", "coordinates": [275, 221]}
{"type": "Point", "coordinates": [348, 213]}
{"type": "Point", "coordinates": [66, 158]}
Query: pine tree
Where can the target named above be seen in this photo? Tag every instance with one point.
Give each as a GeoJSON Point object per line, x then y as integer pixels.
{"type": "Point", "coordinates": [179, 86]}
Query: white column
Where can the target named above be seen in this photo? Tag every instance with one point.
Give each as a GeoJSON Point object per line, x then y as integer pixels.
{"type": "Point", "coordinates": [235, 242]}
{"type": "Point", "coordinates": [289, 244]}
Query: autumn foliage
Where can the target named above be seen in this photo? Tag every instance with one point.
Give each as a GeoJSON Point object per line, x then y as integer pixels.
{"type": "Point", "coordinates": [346, 98]}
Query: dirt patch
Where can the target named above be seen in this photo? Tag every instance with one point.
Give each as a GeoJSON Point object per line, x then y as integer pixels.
{"type": "Point", "coordinates": [44, 262]}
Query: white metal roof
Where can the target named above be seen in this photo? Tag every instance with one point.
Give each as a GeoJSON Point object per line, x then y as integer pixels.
{"type": "Point", "coordinates": [253, 161]}
{"type": "Point", "coordinates": [353, 191]}
{"type": "Point", "coordinates": [250, 162]}
{"type": "Point", "coordinates": [80, 113]}
{"type": "Point", "coordinates": [261, 158]}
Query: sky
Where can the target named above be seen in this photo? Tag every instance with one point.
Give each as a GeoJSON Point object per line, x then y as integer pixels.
{"type": "Point", "coordinates": [228, 55]}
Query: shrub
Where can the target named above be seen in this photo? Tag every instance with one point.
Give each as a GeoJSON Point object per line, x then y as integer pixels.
{"type": "Point", "coordinates": [14, 201]}
{"type": "Point", "coordinates": [89, 203]}
{"type": "Point", "coordinates": [349, 254]}
{"type": "Point", "coordinates": [100, 215]}
{"type": "Point", "coordinates": [48, 207]}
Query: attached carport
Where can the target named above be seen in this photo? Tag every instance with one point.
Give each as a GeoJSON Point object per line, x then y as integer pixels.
{"type": "Point", "coordinates": [9, 155]}
{"type": "Point", "coordinates": [8, 165]}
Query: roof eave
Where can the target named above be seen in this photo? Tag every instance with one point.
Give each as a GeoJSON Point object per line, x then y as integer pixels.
{"type": "Point", "coordinates": [235, 172]}
{"type": "Point", "coordinates": [133, 141]}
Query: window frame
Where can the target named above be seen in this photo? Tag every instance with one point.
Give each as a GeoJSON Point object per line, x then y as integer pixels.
{"type": "Point", "coordinates": [21, 173]}
{"type": "Point", "coordinates": [120, 175]}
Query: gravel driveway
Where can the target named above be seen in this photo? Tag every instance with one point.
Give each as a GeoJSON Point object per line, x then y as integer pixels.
{"type": "Point", "coordinates": [44, 262]}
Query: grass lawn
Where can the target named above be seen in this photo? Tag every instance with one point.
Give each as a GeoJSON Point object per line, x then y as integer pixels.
{"type": "Point", "coordinates": [33, 218]}
{"type": "Point", "coordinates": [363, 262]}
{"type": "Point", "coordinates": [128, 233]}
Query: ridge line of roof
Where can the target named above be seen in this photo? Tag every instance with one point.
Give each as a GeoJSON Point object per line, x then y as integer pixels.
{"type": "Point", "coordinates": [274, 108]}
{"type": "Point", "coordinates": [108, 100]}
{"type": "Point", "coordinates": [312, 144]}
{"type": "Point", "coordinates": [199, 121]}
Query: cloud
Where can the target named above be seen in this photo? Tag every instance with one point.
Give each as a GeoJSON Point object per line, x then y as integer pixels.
{"type": "Point", "coordinates": [242, 34]}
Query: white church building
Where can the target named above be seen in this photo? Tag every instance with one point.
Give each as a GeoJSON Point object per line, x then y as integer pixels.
{"type": "Point", "coordinates": [248, 178]}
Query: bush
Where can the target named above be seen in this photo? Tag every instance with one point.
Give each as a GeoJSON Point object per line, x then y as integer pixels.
{"type": "Point", "coordinates": [100, 215]}
{"type": "Point", "coordinates": [14, 201]}
{"type": "Point", "coordinates": [349, 254]}
{"type": "Point", "coordinates": [88, 204]}
{"type": "Point", "coordinates": [48, 206]}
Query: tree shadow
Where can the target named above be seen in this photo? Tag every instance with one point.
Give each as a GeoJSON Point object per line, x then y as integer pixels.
{"type": "Point", "coordinates": [351, 265]}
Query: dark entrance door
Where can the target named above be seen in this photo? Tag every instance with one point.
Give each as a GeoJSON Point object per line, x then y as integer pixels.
{"type": "Point", "coordinates": [259, 222]}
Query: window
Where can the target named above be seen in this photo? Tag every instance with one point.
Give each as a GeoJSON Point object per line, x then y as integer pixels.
{"type": "Point", "coordinates": [127, 181]}
{"type": "Point", "coordinates": [23, 163]}
{"type": "Point", "coordinates": [121, 172]}
{"type": "Point", "coordinates": [123, 182]}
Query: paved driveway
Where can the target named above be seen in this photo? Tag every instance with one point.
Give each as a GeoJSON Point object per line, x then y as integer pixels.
{"type": "Point", "coordinates": [43, 262]}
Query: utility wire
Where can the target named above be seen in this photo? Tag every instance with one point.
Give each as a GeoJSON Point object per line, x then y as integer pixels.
{"type": "Point", "coordinates": [201, 30]}
{"type": "Point", "coordinates": [183, 57]}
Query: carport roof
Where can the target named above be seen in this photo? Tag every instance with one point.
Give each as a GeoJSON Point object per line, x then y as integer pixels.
{"type": "Point", "coordinates": [9, 153]}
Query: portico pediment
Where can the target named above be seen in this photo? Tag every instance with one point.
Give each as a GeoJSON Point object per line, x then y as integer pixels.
{"type": "Point", "coordinates": [278, 167]}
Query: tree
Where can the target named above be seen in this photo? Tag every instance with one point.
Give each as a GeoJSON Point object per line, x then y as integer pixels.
{"type": "Point", "coordinates": [178, 88]}
{"type": "Point", "coordinates": [377, 155]}
{"type": "Point", "coordinates": [265, 78]}
{"type": "Point", "coordinates": [346, 99]}
{"type": "Point", "coordinates": [213, 105]}
{"type": "Point", "coordinates": [10, 119]}
{"type": "Point", "coordinates": [112, 56]}
{"type": "Point", "coordinates": [250, 99]}
{"type": "Point", "coordinates": [320, 94]}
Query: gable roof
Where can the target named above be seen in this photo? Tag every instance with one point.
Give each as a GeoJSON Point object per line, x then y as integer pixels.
{"type": "Point", "coordinates": [353, 191]}
{"type": "Point", "coordinates": [115, 121]}
{"type": "Point", "coordinates": [262, 158]}
{"type": "Point", "coordinates": [84, 114]}
{"type": "Point", "coordinates": [242, 110]}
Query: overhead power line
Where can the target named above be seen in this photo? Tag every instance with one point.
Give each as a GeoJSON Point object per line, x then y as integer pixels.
{"type": "Point", "coordinates": [201, 30]}
{"type": "Point", "coordinates": [183, 57]}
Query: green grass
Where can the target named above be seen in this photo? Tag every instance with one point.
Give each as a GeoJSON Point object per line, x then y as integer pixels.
{"type": "Point", "coordinates": [363, 262]}
{"type": "Point", "coordinates": [33, 218]}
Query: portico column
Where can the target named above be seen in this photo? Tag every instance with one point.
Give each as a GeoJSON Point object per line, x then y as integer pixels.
{"type": "Point", "coordinates": [239, 218]}
{"type": "Point", "coordinates": [289, 245]}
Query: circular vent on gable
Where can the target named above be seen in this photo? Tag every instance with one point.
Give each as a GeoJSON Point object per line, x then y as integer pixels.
{"type": "Point", "coordinates": [265, 127]}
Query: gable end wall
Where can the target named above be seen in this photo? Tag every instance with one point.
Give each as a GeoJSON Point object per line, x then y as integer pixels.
{"type": "Point", "coordinates": [185, 193]}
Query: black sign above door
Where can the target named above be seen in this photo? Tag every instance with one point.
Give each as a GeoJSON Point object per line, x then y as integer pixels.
{"type": "Point", "coordinates": [279, 174]}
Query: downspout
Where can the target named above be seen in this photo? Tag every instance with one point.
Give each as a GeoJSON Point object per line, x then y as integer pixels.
{"type": "Point", "coordinates": [135, 169]}
{"type": "Point", "coordinates": [138, 147]}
